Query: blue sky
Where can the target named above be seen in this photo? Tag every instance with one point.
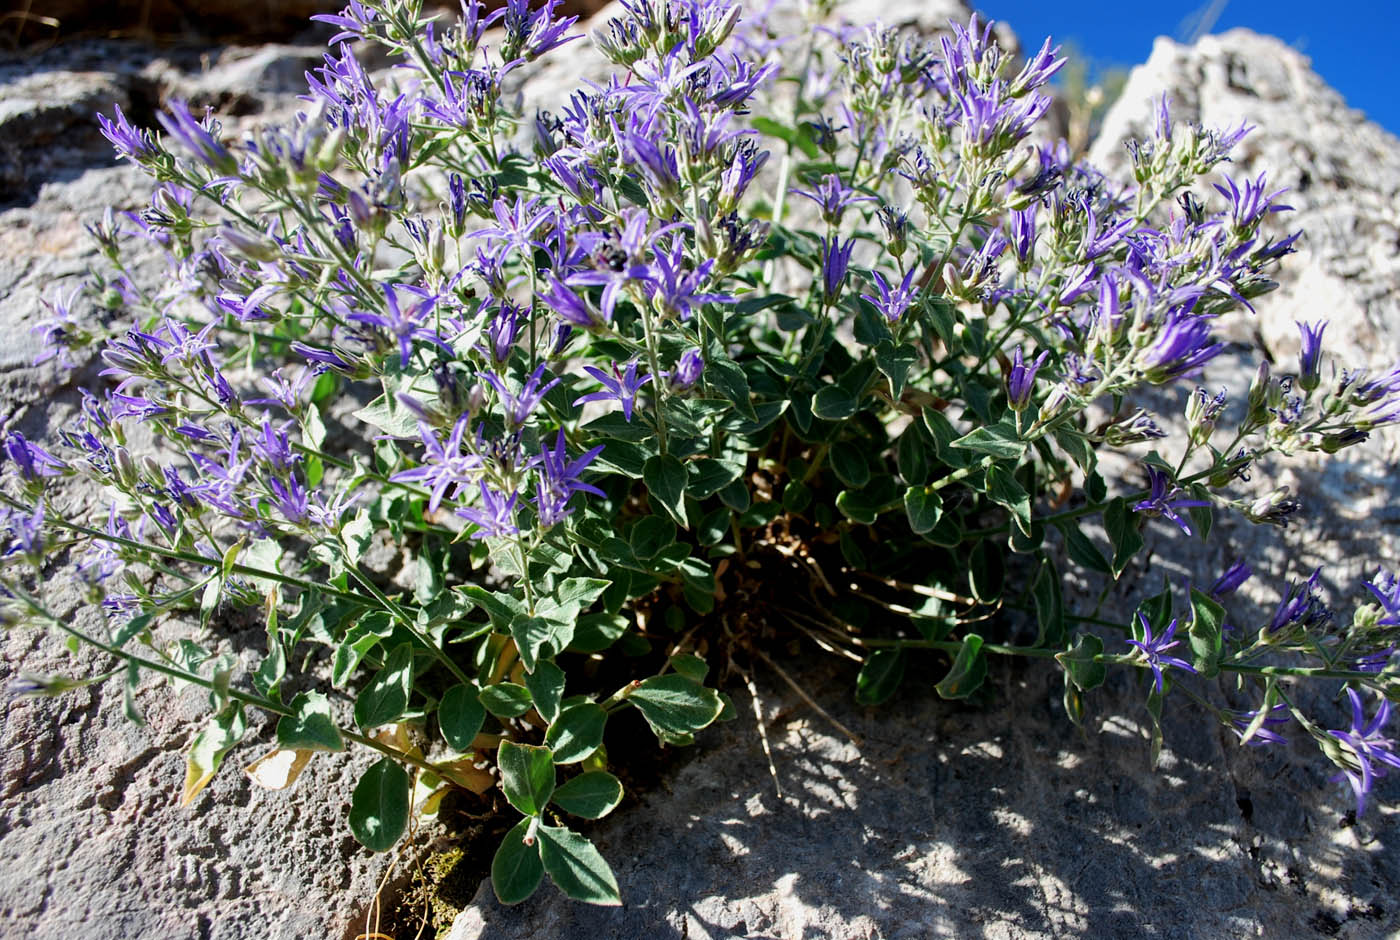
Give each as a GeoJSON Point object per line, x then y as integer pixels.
{"type": "Point", "coordinates": [1353, 44]}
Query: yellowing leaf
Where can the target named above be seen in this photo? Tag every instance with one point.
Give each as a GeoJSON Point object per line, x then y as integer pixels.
{"type": "Point", "coordinates": [278, 768]}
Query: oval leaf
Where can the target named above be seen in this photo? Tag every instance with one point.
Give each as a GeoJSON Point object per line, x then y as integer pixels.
{"type": "Point", "coordinates": [311, 728]}
{"type": "Point", "coordinates": [460, 716]}
{"type": "Point", "coordinates": [527, 776]}
{"type": "Point", "coordinates": [675, 704]}
{"type": "Point", "coordinates": [577, 732]}
{"type": "Point", "coordinates": [379, 806]}
{"type": "Point", "coordinates": [880, 676]}
{"type": "Point", "coordinates": [576, 867]}
{"type": "Point", "coordinates": [506, 699]}
{"type": "Point", "coordinates": [591, 795]}
{"type": "Point", "coordinates": [969, 669]}
{"type": "Point", "coordinates": [516, 870]}
{"type": "Point", "coordinates": [385, 699]}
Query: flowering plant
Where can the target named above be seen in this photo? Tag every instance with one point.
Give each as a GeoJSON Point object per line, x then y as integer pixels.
{"type": "Point", "coordinates": [526, 418]}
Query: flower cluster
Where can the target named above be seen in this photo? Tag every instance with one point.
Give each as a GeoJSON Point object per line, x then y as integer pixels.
{"type": "Point", "coordinates": [728, 317]}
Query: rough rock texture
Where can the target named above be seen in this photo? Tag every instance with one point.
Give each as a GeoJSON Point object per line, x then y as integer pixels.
{"type": "Point", "coordinates": [1009, 823]}
{"type": "Point", "coordinates": [1341, 170]}
{"type": "Point", "coordinates": [92, 844]}
{"type": "Point", "coordinates": [947, 821]}
{"type": "Point", "coordinates": [1343, 178]}
{"type": "Point", "coordinates": [1002, 822]}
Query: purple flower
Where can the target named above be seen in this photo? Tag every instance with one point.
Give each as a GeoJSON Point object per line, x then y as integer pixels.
{"type": "Point", "coordinates": [1364, 750]}
{"type": "Point", "coordinates": [1302, 607]}
{"type": "Point", "coordinates": [445, 467]}
{"type": "Point", "coordinates": [1183, 346]}
{"type": "Point", "coordinates": [1038, 70]}
{"type": "Point", "coordinates": [836, 257]}
{"type": "Point", "coordinates": [290, 498]}
{"type": "Point", "coordinates": [569, 306]}
{"type": "Point", "coordinates": [1263, 735]}
{"type": "Point", "coordinates": [1229, 582]}
{"type": "Point", "coordinates": [1023, 234]}
{"type": "Point", "coordinates": [273, 447]}
{"type": "Point", "coordinates": [1249, 205]}
{"type": "Point", "coordinates": [404, 325]}
{"type": "Point", "coordinates": [516, 225]}
{"type": "Point", "coordinates": [621, 386]}
{"type": "Point", "coordinates": [198, 138]}
{"type": "Point", "coordinates": [1020, 381]}
{"type": "Point", "coordinates": [688, 370]}
{"type": "Point", "coordinates": [128, 141]}
{"type": "Point", "coordinates": [832, 196]}
{"type": "Point", "coordinates": [1165, 499]}
{"type": "Point", "coordinates": [496, 515]}
{"type": "Point", "coordinates": [1153, 648]}
{"type": "Point", "coordinates": [560, 479]}
{"type": "Point", "coordinates": [532, 33]}
{"type": "Point", "coordinates": [323, 358]}
{"type": "Point", "coordinates": [672, 286]}
{"type": "Point", "coordinates": [1386, 587]}
{"type": "Point", "coordinates": [519, 406]}
{"type": "Point", "coordinates": [31, 461]}
{"type": "Point", "coordinates": [1311, 356]}
{"type": "Point", "coordinates": [354, 22]}
{"type": "Point", "coordinates": [26, 531]}
{"type": "Point", "coordinates": [894, 301]}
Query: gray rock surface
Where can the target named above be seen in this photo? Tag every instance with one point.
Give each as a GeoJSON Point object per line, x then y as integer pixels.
{"type": "Point", "coordinates": [1008, 822]}
{"type": "Point", "coordinates": [947, 821]}
{"type": "Point", "coordinates": [92, 843]}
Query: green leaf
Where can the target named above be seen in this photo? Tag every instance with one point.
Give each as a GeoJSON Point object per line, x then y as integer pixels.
{"type": "Point", "coordinates": [546, 685]}
{"type": "Point", "coordinates": [536, 637]}
{"type": "Point", "coordinates": [1157, 609]}
{"type": "Point", "coordinates": [880, 675]}
{"type": "Point", "coordinates": [208, 750]}
{"type": "Point", "coordinates": [385, 699]}
{"type": "Point", "coordinates": [133, 680]}
{"type": "Point", "coordinates": [999, 440]}
{"type": "Point", "coordinates": [1081, 663]}
{"type": "Point", "coordinates": [675, 704]}
{"type": "Point", "coordinates": [1122, 526]}
{"type": "Point", "coordinates": [987, 571]}
{"type": "Point", "coordinates": [665, 478]}
{"type": "Point", "coordinates": [359, 640]}
{"type": "Point", "coordinates": [1207, 622]}
{"type": "Point", "coordinates": [725, 376]}
{"type": "Point", "coordinates": [391, 416]}
{"type": "Point", "coordinates": [912, 456]}
{"type": "Point", "coordinates": [858, 506]}
{"type": "Point", "coordinates": [460, 716]}
{"type": "Point", "coordinates": [591, 795]}
{"type": "Point", "coordinates": [690, 666]}
{"type": "Point", "coordinates": [516, 869]}
{"type": "Point", "coordinates": [1004, 489]}
{"type": "Point", "coordinates": [527, 776]}
{"type": "Point", "coordinates": [311, 727]}
{"type": "Point", "coordinates": [576, 867]}
{"type": "Point", "coordinates": [1049, 606]}
{"type": "Point", "coordinates": [577, 732]}
{"type": "Point", "coordinates": [833, 403]}
{"type": "Point", "coordinates": [894, 363]}
{"type": "Point", "coordinates": [379, 806]}
{"type": "Point", "coordinates": [506, 699]}
{"type": "Point", "coordinates": [848, 460]}
{"type": "Point", "coordinates": [650, 535]}
{"type": "Point", "coordinates": [1082, 551]}
{"type": "Point", "coordinates": [596, 632]}
{"type": "Point", "coordinates": [969, 669]}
